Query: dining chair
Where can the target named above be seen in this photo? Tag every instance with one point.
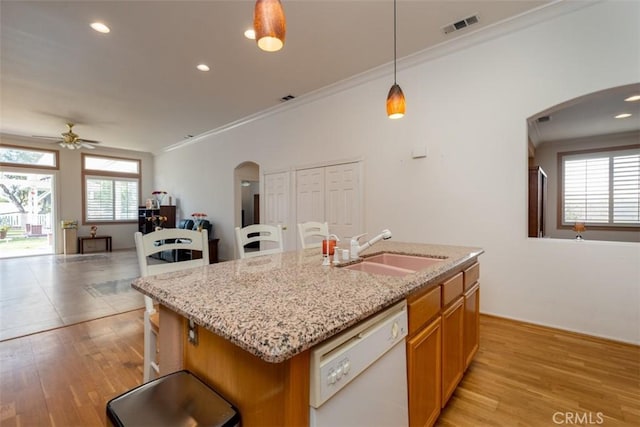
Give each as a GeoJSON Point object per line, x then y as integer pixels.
{"type": "Point", "coordinates": [269, 238]}
{"type": "Point", "coordinates": [147, 245]}
{"type": "Point", "coordinates": [311, 233]}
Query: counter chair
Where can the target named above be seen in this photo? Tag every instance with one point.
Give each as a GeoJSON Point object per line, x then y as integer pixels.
{"type": "Point", "coordinates": [311, 233]}
{"type": "Point", "coordinates": [264, 234]}
{"type": "Point", "coordinates": [167, 239]}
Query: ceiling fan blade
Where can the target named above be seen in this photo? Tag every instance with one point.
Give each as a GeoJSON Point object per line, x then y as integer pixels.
{"type": "Point", "coordinates": [90, 147]}
{"type": "Point", "coordinates": [45, 137]}
{"type": "Point", "coordinates": [92, 141]}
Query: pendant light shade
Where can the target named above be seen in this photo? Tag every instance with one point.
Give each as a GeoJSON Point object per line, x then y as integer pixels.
{"type": "Point", "coordinates": [395, 102]}
{"type": "Point", "coordinates": [269, 24]}
{"type": "Point", "coordinates": [395, 98]}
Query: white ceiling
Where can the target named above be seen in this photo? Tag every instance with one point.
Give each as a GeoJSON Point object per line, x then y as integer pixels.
{"type": "Point", "coordinates": [137, 87]}
{"type": "Point", "coordinates": [589, 115]}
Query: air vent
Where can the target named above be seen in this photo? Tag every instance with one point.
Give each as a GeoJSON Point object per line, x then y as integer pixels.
{"type": "Point", "coordinates": [461, 24]}
{"type": "Point", "coordinates": [543, 119]}
{"type": "Point", "coordinates": [287, 98]}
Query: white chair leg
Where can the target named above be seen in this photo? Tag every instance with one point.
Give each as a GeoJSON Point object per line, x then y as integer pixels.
{"type": "Point", "coordinates": [150, 366]}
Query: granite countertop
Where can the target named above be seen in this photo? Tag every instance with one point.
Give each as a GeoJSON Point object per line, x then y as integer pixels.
{"type": "Point", "coordinates": [276, 306]}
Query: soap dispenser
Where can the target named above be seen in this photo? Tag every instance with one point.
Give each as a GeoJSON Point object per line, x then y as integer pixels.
{"type": "Point", "coordinates": [355, 246]}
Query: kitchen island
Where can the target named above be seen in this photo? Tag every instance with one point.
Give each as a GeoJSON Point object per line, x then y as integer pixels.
{"type": "Point", "coordinates": [257, 319]}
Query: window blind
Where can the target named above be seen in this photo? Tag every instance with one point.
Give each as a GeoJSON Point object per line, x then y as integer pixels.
{"type": "Point", "coordinates": [111, 199]}
{"type": "Point", "coordinates": [601, 189]}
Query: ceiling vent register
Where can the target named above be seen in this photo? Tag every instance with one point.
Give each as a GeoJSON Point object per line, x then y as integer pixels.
{"type": "Point", "coordinates": [461, 24]}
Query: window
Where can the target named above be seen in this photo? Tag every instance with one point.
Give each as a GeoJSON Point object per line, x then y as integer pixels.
{"type": "Point", "coordinates": [11, 155]}
{"type": "Point", "coordinates": [601, 188]}
{"type": "Point", "coordinates": [111, 189]}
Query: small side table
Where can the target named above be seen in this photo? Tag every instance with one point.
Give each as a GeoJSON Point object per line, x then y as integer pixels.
{"type": "Point", "coordinates": [107, 240]}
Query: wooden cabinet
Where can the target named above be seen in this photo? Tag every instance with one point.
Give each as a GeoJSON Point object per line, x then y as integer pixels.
{"type": "Point", "coordinates": [146, 226]}
{"type": "Point", "coordinates": [423, 364]}
{"type": "Point", "coordinates": [443, 339]}
{"type": "Point", "coordinates": [452, 345]}
{"type": "Point", "coordinates": [471, 341]}
{"type": "Point", "coordinates": [537, 201]}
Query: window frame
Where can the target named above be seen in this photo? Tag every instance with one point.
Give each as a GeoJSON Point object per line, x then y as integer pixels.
{"type": "Point", "coordinates": [56, 157]}
{"type": "Point", "coordinates": [561, 225]}
{"type": "Point", "coordinates": [99, 173]}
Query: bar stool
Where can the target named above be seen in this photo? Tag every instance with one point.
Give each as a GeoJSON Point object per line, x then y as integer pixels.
{"type": "Point", "coordinates": [179, 399]}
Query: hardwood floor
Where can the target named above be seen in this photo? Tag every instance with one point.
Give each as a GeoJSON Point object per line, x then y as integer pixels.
{"type": "Point", "coordinates": [64, 377]}
{"type": "Point", "coordinates": [530, 375]}
{"type": "Point", "coordinates": [523, 375]}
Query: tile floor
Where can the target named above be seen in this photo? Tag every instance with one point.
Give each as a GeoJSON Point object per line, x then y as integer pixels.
{"type": "Point", "coordinates": [49, 291]}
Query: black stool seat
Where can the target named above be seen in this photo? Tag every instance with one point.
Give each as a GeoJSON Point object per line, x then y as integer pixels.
{"type": "Point", "coordinates": [175, 400]}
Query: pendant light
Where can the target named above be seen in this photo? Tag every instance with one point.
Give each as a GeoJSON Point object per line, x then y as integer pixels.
{"type": "Point", "coordinates": [395, 98]}
{"type": "Point", "coordinates": [269, 25]}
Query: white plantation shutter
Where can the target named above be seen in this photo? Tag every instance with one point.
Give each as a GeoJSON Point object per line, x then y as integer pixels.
{"type": "Point", "coordinates": [111, 199]}
{"type": "Point", "coordinates": [601, 188]}
{"type": "Point", "coordinates": [626, 189]}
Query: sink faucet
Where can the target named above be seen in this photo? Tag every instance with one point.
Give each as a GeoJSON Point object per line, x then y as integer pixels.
{"type": "Point", "coordinates": [356, 248]}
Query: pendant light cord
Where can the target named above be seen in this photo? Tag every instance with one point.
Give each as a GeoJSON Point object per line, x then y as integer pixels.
{"type": "Point", "coordinates": [394, 42]}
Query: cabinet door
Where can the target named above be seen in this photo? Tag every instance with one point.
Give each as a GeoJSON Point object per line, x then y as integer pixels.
{"type": "Point", "coordinates": [423, 373]}
{"type": "Point", "coordinates": [452, 336]}
{"type": "Point", "coordinates": [471, 323]}
{"type": "Point", "coordinates": [170, 213]}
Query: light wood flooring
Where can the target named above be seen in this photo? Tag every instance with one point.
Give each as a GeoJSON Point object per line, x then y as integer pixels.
{"type": "Point", "coordinates": [523, 375]}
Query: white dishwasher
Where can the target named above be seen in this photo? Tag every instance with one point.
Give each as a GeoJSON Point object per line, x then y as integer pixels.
{"type": "Point", "coordinates": [359, 377]}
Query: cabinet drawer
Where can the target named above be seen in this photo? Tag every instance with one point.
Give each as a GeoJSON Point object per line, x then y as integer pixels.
{"type": "Point", "coordinates": [452, 288]}
{"type": "Point", "coordinates": [423, 309]}
{"type": "Point", "coordinates": [471, 276]}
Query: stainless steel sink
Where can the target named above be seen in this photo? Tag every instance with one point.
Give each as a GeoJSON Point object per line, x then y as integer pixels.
{"type": "Point", "coordinates": [393, 264]}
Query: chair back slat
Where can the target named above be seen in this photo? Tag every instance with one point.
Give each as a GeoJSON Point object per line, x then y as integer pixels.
{"type": "Point", "coordinates": [311, 233]}
{"type": "Point", "coordinates": [262, 233]}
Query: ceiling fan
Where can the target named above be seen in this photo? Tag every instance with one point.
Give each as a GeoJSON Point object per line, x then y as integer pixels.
{"type": "Point", "coordinates": [71, 140]}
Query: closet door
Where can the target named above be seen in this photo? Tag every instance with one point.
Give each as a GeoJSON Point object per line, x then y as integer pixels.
{"type": "Point", "coordinates": [343, 199]}
{"type": "Point", "coordinates": [310, 195]}
{"type": "Point", "coordinates": [276, 205]}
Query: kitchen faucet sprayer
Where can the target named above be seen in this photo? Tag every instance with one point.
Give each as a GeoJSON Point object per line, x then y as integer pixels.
{"type": "Point", "coordinates": [356, 248]}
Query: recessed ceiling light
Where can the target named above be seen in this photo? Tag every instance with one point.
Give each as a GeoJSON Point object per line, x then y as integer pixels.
{"type": "Point", "coordinates": [203, 67]}
{"type": "Point", "coordinates": [100, 27]}
{"type": "Point", "coordinates": [623, 116]}
{"type": "Point", "coordinates": [633, 98]}
{"type": "Point", "coordinates": [250, 34]}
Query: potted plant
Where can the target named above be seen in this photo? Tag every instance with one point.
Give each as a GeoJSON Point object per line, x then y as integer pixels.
{"type": "Point", "coordinates": [3, 231]}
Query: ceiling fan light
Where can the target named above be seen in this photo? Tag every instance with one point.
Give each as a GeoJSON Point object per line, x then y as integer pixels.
{"type": "Point", "coordinates": [395, 102]}
{"type": "Point", "coordinates": [269, 24]}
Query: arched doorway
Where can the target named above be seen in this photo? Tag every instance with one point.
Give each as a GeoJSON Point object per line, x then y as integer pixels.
{"type": "Point", "coordinates": [247, 194]}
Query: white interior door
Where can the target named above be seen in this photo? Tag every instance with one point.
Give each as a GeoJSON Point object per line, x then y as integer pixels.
{"type": "Point", "coordinates": [276, 205]}
{"type": "Point", "coordinates": [343, 209]}
{"type": "Point", "coordinates": [310, 195]}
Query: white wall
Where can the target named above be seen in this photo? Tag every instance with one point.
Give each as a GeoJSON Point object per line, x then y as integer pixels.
{"type": "Point", "coordinates": [68, 190]}
{"type": "Point", "coordinates": [470, 108]}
